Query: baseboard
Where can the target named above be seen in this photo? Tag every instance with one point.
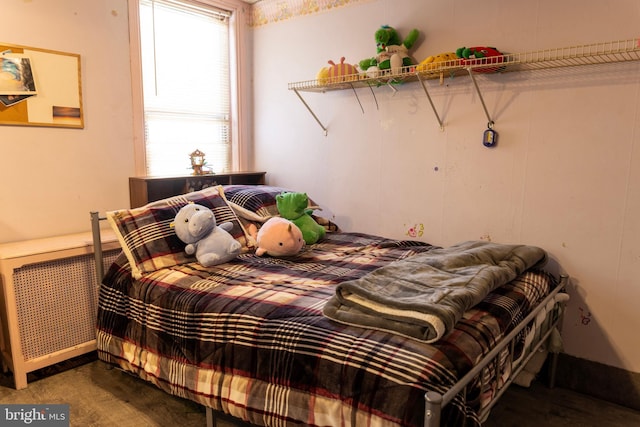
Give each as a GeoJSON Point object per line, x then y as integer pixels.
{"type": "Point", "coordinates": [598, 380]}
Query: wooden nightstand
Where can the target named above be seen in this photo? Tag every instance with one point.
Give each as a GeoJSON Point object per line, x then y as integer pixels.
{"type": "Point", "coordinates": [49, 300]}
{"type": "Point", "coordinates": [145, 189]}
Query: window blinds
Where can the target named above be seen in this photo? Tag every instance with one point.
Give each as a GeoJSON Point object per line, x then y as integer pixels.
{"type": "Point", "coordinates": [186, 85]}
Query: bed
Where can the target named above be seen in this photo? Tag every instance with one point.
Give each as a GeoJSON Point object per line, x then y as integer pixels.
{"type": "Point", "coordinates": [283, 341]}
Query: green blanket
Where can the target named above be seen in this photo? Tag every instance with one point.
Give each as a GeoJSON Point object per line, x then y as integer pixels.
{"type": "Point", "coordinates": [423, 296]}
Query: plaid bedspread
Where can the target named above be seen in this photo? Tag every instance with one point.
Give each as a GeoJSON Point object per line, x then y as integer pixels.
{"type": "Point", "coordinates": [249, 338]}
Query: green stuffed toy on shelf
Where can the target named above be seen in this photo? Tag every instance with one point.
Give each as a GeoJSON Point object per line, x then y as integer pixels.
{"type": "Point", "coordinates": [392, 54]}
{"type": "Point", "coordinates": [295, 207]}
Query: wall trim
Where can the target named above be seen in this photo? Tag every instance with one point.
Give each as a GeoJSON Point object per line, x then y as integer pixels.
{"type": "Point", "coordinates": [270, 11]}
{"type": "Point", "coordinates": [595, 379]}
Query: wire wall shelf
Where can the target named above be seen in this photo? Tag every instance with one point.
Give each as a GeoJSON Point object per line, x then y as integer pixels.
{"type": "Point", "coordinates": [597, 53]}
{"type": "Point", "coordinates": [572, 56]}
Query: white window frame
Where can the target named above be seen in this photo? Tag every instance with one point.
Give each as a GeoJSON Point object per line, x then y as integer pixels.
{"type": "Point", "coordinates": [238, 75]}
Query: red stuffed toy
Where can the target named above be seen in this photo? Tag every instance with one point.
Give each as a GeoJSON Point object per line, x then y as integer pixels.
{"type": "Point", "coordinates": [481, 55]}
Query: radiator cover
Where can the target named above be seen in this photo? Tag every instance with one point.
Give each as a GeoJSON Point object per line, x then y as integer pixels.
{"type": "Point", "coordinates": [49, 303]}
{"type": "Point", "coordinates": [57, 304]}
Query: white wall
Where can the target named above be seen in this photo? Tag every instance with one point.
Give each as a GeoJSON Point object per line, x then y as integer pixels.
{"type": "Point", "coordinates": [565, 175]}
{"type": "Point", "coordinates": [52, 177]}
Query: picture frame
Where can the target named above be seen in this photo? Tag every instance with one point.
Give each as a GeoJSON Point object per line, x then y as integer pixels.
{"type": "Point", "coordinates": [40, 87]}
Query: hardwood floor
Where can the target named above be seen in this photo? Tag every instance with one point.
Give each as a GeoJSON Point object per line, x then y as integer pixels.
{"type": "Point", "coordinates": [101, 396]}
{"type": "Point", "coordinates": [540, 405]}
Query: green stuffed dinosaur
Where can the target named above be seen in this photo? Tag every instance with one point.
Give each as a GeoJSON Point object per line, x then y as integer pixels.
{"type": "Point", "coordinates": [391, 51]}
{"type": "Point", "coordinates": [294, 207]}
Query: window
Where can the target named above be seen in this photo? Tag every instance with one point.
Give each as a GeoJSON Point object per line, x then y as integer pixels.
{"type": "Point", "coordinates": [185, 58]}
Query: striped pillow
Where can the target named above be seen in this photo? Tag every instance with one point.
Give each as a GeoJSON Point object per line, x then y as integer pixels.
{"type": "Point", "coordinates": [256, 202]}
{"type": "Point", "coordinates": [149, 241]}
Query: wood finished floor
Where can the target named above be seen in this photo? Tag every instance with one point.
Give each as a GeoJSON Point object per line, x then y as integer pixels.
{"type": "Point", "coordinates": [101, 396]}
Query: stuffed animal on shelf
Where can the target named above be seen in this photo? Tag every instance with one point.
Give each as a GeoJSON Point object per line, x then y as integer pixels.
{"type": "Point", "coordinates": [392, 54]}
{"type": "Point", "coordinates": [279, 237]}
{"type": "Point", "coordinates": [435, 61]}
{"type": "Point", "coordinates": [339, 73]}
{"type": "Point", "coordinates": [480, 55]}
{"type": "Point", "coordinates": [294, 207]}
{"type": "Point", "coordinates": [323, 76]}
{"type": "Point", "coordinates": [212, 244]}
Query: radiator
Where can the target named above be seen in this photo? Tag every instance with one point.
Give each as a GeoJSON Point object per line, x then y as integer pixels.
{"type": "Point", "coordinates": [49, 301]}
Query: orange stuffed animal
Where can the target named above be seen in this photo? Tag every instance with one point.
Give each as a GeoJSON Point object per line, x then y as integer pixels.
{"type": "Point", "coordinates": [339, 73]}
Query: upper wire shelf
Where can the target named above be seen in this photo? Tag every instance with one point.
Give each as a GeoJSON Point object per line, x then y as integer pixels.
{"type": "Point", "coordinates": [589, 54]}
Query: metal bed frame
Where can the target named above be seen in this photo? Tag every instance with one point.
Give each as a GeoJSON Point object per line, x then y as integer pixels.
{"type": "Point", "coordinates": [435, 402]}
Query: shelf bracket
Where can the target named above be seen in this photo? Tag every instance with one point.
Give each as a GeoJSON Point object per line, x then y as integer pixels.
{"type": "Point", "coordinates": [357, 97]}
{"type": "Point", "coordinates": [433, 107]}
{"type": "Point", "coordinates": [311, 111]}
{"type": "Point", "coordinates": [374, 97]}
{"type": "Point", "coordinates": [473, 79]}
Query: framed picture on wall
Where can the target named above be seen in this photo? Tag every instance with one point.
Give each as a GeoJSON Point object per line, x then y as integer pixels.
{"type": "Point", "coordinates": [40, 87]}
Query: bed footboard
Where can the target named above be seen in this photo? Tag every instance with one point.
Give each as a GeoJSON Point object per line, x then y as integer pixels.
{"type": "Point", "coordinates": [435, 402]}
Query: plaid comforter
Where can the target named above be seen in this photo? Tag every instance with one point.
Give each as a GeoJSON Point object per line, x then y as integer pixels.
{"type": "Point", "coordinates": [249, 338]}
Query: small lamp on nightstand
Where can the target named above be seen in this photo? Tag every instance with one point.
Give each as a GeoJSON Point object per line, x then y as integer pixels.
{"type": "Point", "coordinates": [197, 162]}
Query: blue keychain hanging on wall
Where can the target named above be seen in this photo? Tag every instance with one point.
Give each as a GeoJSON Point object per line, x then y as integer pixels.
{"type": "Point", "coordinates": [490, 136]}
